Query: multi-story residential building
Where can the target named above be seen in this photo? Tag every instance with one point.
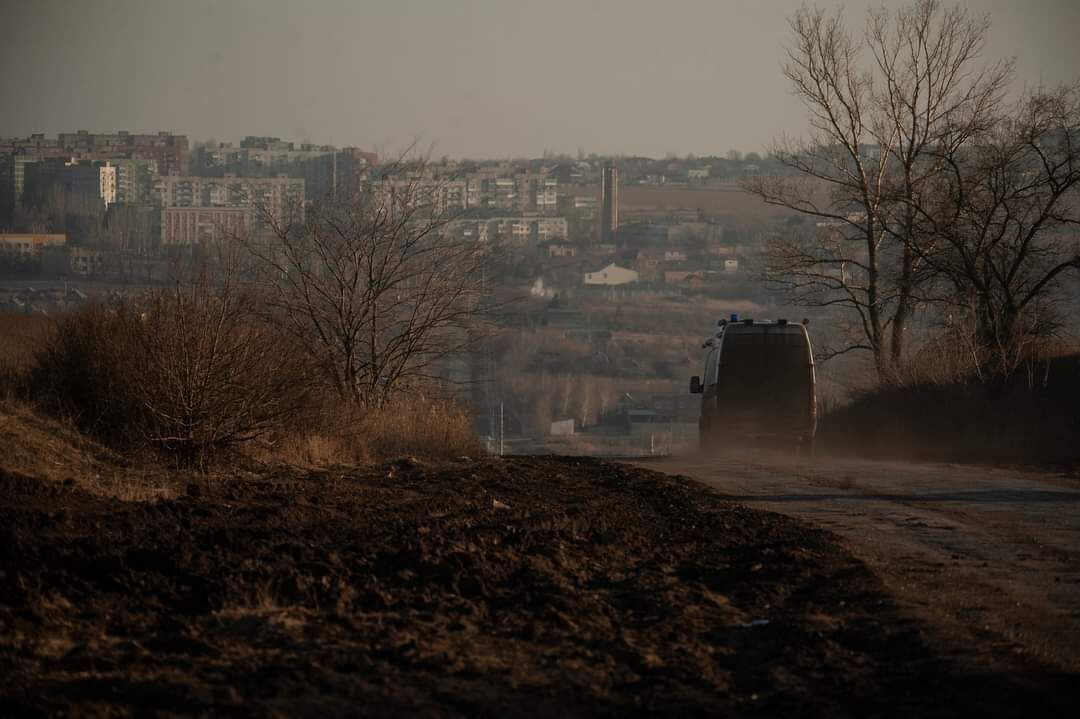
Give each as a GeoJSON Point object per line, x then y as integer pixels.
{"type": "Point", "coordinates": [82, 179]}
{"type": "Point", "coordinates": [38, 180]}
{"type": "Point", "coordinates": [35, 146]}
{"type": "Point", "coordinates": [188, 226]}
{"type": "Point", "coordinates": [197, 210]}
{"type": "Point", "coordinates": [548, 228]}
{"type": "Point", "coordinates": [273, 194]}
{"type": "Point", "coordinates": [265, 143]}
{"type": "Point", "coordinates": [107, 181]}
{"type": "Point", "coordinates": [522, 230]}
{"type": "Point", "coordinates": [135, 181]}
{"type": "Point", "coordinates": [502, 193]}
{"type": "Point", "coordinates": [502, 189]}
{"type": "Point", "coordinates": [536, 192]}
{"type": "Point", "coordinates": [323, 168]}
{"type": "Point", "coordinates": [169, 151]}
{"type": "Point", "coordinates": [254, 155]}
{"type": "Point", "coordinates": [42, 171]}
{"type": "Point", "coordinates": [499, 189]}
{"type": "Point", "coordinates": [162, 152]}
{"type": "Point", "coordinates": [422, 193]}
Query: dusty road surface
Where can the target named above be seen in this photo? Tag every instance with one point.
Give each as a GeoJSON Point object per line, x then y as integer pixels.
{"type": "Point", "coordinates": [988, 557]}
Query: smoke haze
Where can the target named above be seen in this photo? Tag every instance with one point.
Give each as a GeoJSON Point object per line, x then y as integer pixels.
{"type": "Point", "coordinates": [472, 78]}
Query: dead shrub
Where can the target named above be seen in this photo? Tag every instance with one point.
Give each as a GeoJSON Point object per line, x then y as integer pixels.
{"type": "Point", "coordinates": [188, 371]}
{"type": "Point", "coordinates": [213, 376]}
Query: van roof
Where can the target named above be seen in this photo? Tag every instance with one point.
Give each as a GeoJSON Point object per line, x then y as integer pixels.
{"type": "Point", "coordinates": [746, 327]}
{"type": "Point", "coordinates": [762, 326]}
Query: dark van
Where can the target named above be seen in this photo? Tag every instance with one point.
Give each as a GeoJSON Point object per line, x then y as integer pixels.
{"type": "Point", "coordinates": [759, 386]}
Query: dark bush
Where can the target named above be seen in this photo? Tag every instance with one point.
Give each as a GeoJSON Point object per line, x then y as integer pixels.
{"type": "Point", "coordinates": [84, 373]}
{"type": "Point", "coordinates": [188, 371]}
{"type": "Point", "coordinates": [1031, 419]}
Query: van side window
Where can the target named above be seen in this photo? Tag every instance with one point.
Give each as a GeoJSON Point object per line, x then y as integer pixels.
{"type": "Point", "coordinates": [710, 367]}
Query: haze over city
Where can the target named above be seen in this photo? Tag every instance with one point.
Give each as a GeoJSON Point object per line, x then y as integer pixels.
{"type": "Point", "coordinates": [561, 358]}
{"type": "Point", "coordinates": [475, 78]}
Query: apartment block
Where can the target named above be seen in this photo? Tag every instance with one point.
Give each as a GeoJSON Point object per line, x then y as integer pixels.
{"type": "Point", "coordinates": [274, 194]}
{"type": "Point", "coordinates": [135, 181]}
{"type": "Point", "coordinates": [520, 231]}
{"type": "Point", "coordinates": [536, 192]}
{"type": "Point", "coordinates": [107, 183]}
{"type": "Point", "coordinates": [323, 168]}
{"type": "Point", "coordinates": [198, 210]}
{"type": "Point", "coordinates": [169, 151]}
{"type": "Point", "coordinates": [189, 226]}
{"type": "Point", "coordinates": [38, 180]}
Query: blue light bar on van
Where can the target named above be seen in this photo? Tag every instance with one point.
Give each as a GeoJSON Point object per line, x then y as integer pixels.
{"type": "Point", "coordinates": [734, 316]}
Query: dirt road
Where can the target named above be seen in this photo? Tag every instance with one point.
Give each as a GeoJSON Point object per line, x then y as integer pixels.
{"type": "Point", "coordinates": [988, 556]}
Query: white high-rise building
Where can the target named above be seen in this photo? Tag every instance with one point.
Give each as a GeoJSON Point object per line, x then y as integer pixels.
{"type": "Point", "coordinates": [107, 183]}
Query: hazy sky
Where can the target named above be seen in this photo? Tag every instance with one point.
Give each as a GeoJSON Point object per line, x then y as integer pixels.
{"type": "Point", "coordinates": [477, 78]}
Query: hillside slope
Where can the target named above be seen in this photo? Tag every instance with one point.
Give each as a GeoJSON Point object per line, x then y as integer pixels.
{"type": "Point", "coordinates": [501, 587]}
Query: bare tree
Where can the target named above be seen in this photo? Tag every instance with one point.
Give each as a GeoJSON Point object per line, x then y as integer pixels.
{"type": "Point", "coordinates": [1002, 221]}
{"type": "Point", "coordinates": [376, 284]}
{"type": "Point", "coordinates": [931, 95]}
{"type": "Point", "coordinates": [876, 104]}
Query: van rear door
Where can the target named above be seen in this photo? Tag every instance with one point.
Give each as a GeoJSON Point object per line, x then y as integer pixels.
{"type": "Point", "coordinates": [765, 377]}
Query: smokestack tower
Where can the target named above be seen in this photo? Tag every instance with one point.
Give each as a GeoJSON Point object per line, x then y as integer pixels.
{"type": "Point", "coordinates": [609, 216]}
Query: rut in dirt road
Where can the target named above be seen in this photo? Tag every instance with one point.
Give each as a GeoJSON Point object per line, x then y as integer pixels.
{"type": "Point", "coordinates": [990, 556]}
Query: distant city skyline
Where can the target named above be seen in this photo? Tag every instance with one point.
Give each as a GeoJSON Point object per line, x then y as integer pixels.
{"type": "Point", "coordinates": [470, 78]}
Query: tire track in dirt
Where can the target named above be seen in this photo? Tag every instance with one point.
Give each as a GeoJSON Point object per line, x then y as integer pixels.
{"type": "Point", "coordinates": [989, 556]}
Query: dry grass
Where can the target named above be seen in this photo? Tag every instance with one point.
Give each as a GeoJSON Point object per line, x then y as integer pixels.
{"type": "Point", "coordinates": [409, 427]}
{"type": "Point", "coordinates": [21, 337]}
{"type": "Point", "coordinates": [52, 448]}
{"type": "Point", "coordinates": [44, 448]}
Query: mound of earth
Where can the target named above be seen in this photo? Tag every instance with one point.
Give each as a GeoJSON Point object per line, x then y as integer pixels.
{"type": "Point", "coordinates": [510, 587]}
{"type": "Point", "coordinates": [35, 445]}
{"type": "Point", "coordinates": [31, 443]}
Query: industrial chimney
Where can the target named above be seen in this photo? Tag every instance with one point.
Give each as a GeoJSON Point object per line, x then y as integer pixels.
{"type": "Point", "coordinates": [609, 216]}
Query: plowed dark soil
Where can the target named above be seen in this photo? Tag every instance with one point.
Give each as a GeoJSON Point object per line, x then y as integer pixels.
{"type": "Point", "coordinates": [517, 587]}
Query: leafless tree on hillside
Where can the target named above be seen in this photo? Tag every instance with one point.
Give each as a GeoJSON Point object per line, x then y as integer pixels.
{"type": "Point", "coordinates": [375, 283]}
{"type": "Point", "coordinates": [877, 104]}
{"type": "Point", "coordinates": [1004, 219]}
